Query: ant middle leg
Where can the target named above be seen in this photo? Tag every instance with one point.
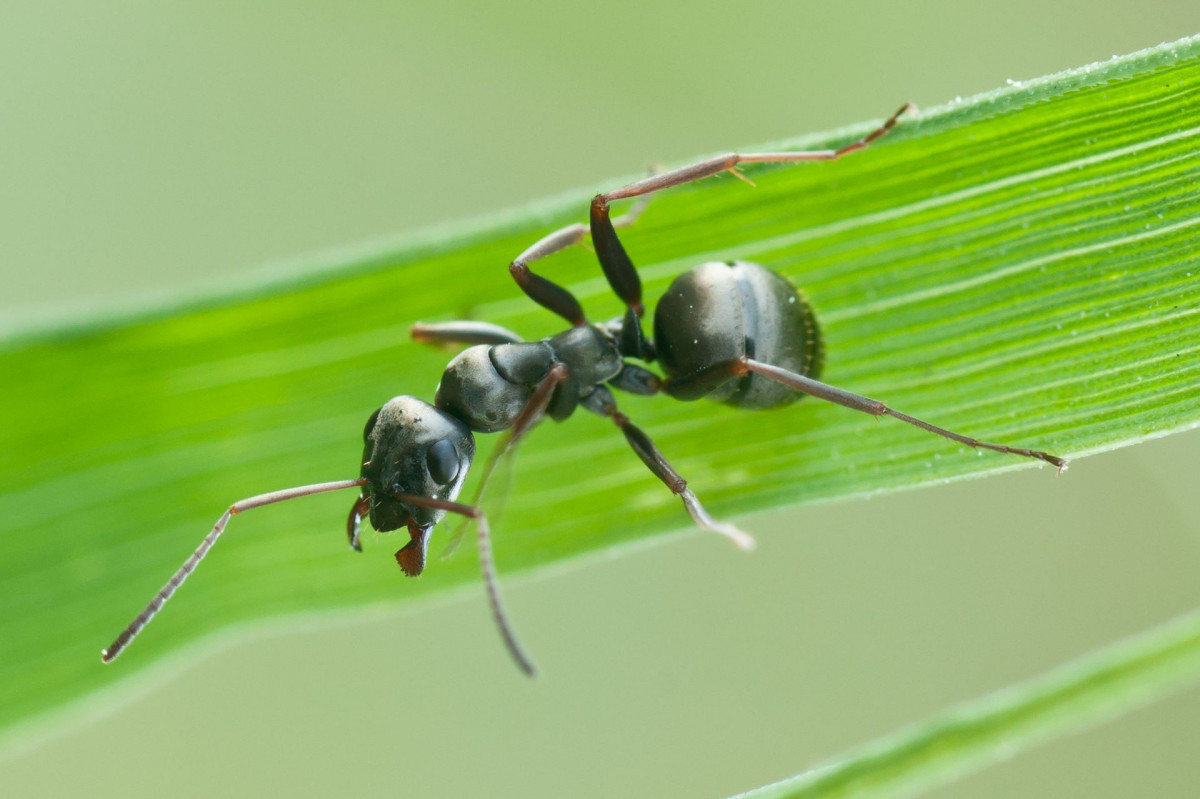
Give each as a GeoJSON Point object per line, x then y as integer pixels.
{"type": "Point", "coordinates": [663, 470]}
{"type": "Point", "coordinates": [601, 401]}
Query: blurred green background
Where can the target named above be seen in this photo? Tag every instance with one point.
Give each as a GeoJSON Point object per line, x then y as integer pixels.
{"type": "Point", "coordinates": [157, 150]}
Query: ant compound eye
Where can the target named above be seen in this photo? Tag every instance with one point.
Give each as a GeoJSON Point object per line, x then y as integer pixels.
{"type": "Point", "coordinates": [442, 460]}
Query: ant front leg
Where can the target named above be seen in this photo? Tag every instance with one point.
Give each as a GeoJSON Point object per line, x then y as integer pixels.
{"type": "Point", "coordinates": [530, 415]}
{"type": "Point", "coordinates": [490, 581]}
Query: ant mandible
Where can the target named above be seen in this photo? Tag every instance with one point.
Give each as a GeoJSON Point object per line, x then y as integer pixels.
{"type": "Point", "coordinates": [733, 332]}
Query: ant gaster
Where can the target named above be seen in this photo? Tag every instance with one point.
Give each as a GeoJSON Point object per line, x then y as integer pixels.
{"type": "Point", "coordinates": [733, 332]}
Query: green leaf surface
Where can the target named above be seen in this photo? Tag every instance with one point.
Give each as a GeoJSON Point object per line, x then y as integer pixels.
{"type": "Point", "coordinates": [1122, 676]}
{"type": "Point", "coordinates": [1019, 266]}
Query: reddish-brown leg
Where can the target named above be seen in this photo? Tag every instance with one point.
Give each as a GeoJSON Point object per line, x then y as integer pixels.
{"type": "Point", "coordinates": [701, 383]}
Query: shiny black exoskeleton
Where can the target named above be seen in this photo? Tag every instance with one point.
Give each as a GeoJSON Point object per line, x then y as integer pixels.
{"type": "Point", "coordinates": [715, 314]}
{"type": "Point", "coordinates": [733, 332]}
{"type": "Point", "coordinates": [720, 312]}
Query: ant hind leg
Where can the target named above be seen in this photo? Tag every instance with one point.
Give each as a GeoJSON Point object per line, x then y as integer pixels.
{"type": "Point", "coordinates": [697, 385]}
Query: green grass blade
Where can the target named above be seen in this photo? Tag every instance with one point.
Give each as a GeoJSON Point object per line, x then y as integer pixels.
{"type": "Point", "coordinates": [1020, 266]}
{"type": "Point", "coordinates": [976, 734]}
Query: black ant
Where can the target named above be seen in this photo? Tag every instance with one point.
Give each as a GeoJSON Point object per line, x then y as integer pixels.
{"type": "Point", "coordinates": [733, 332]}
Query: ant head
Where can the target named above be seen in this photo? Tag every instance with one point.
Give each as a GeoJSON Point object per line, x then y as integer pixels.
{"type": "Point", "coordinates": [411, 447]}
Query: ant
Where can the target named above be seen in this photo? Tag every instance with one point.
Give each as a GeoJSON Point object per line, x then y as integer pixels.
{"type": "Point", "coordinates": [733, 332]}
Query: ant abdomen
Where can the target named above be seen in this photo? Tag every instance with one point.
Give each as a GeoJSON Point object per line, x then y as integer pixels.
{"type": "Point", "coordinates": [719, 312]}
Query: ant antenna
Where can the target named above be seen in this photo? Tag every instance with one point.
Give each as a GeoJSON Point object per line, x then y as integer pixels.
{"type": "Point", "coordinates": [189, 565]}
{"type": "Point", "coordinates": [489, 572]}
